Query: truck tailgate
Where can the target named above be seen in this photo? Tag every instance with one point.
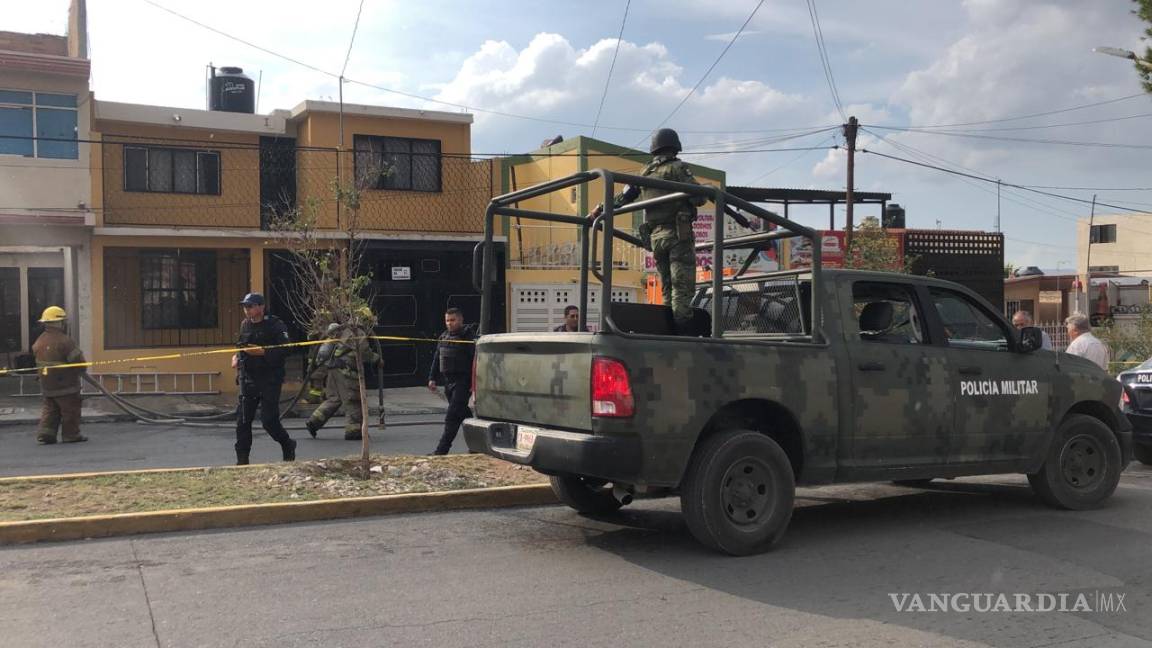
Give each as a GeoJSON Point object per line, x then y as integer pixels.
{"type": "Point", "coordinates": [535, 378]}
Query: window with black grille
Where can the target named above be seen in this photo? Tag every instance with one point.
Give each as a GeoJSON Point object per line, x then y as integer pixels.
{"type": "Point", "coordinates": [170, 170]}
{"type": "Point", "coordinates": [397, 163]}
{"type": "Point", "coordinates": [1103, 233]}
{"type": "Point", "coordinates": [178, 289]}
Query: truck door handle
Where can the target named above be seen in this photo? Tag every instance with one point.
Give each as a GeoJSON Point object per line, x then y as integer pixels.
{"type": "Point", "coordinates": [870, 366]}
{"type": "Point", "coordinates": [971, 371]}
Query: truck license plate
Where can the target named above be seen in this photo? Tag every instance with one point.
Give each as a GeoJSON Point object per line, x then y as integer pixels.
{"type": "Point", "coordinates": [525, 439]}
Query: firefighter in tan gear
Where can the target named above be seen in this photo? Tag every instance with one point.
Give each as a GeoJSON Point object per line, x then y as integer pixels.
{"type": "Point", "coordinates": [59, 388]}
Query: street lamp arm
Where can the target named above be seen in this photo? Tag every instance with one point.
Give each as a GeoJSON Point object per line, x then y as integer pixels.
{"type": "Point", "coordinates": [1123, 53]}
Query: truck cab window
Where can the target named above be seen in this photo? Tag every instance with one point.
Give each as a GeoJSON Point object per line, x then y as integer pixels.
{"type": "Point", "coordinates": [966, 325]}
{"type": "Point", "coordinates": [886, 313]}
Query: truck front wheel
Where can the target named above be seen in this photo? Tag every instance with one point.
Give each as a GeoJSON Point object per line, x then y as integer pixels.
{"type": "Point", "coordinates": [1082, 467]}
{"type": "Point", "coordinates": [585, 494]}
{"type": "Point", "coordinates": [738, 492]}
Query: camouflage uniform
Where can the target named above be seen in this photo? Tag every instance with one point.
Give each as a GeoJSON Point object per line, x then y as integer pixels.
{"type": "Point", "coordinates": [667, 229]}
{"type": "Point", "coordinates": [59, 388]}
{"type": "Point", "coordinates": [342, 386]}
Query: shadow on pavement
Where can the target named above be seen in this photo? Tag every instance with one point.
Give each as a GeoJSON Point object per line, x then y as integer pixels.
{"type": "Point", "coordinates": [844, 559]}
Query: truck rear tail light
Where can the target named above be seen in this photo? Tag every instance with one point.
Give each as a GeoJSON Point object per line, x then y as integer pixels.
{"type": "Point", "coordinates": [611, 389]}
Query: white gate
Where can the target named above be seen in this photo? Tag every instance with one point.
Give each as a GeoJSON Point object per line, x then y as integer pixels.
{"type": "Point", "coordinates": [540, 307]}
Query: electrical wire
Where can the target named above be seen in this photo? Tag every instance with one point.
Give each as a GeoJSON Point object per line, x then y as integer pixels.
{"type": "Point", "coordinates": [707, 72]}
{"type": "Point", "coordinates": [1015, 139]}
{"type": "Point", "coordinates": [611, 67]}
{"type": "Point", "coordinates": [1020, 128]}
{"type": "Point", "coordinates": [355, 28]}
{"type": "Point", "coordinates": [1030, 116]}
{"type": "Point", "coordinates": [818, 34]}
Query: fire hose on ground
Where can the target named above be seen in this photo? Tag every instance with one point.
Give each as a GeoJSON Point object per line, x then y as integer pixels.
{"type": "Point", "coordinates": [144, 415]}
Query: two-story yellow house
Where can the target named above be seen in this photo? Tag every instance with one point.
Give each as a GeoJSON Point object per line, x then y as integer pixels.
{"type": "Point", "coordinates": [45, 200]}
{"type": "Point", "coordinates": [187, 198]}
{"type": "Point", "coordinates": [544, 258]}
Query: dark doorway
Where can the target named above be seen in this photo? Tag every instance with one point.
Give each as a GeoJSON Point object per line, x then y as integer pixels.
{"type": "Point", "coordinates": [9, 311]}
{"type": "Point", "coordinates": [45, 288]}
{"type": "Point", "coordinates": [413, 283]}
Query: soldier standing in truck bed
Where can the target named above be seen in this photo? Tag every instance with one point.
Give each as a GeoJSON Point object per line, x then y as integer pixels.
{"type": "Point", "coordinates": [667, 228]}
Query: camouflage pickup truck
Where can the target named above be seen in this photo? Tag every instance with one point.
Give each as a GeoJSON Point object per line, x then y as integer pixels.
{"type": "Point", "coordinates": [808, 377]}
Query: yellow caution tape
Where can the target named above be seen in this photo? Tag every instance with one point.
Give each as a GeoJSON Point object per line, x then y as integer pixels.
{"type": "Point", "coordinates": [191, 354]}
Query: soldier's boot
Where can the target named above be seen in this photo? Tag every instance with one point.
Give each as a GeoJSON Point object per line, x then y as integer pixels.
{"type": "Point", "coordinates": [43, 438]}
{"type": "Point", "coordinates": [79, 438]}
{"type": "Point", "coordinates": [289, 449]}
{"type": "Point", "coordinates": [242, 457]}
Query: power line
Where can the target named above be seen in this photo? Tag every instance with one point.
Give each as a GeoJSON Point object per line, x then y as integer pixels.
{"type": "Point", "coordinates": [611, 67]}
{"type": "Point", "coordinates": [1014, 139]}
{"type": "Point", "coordinates": [992, 180]}
{"type": "Point", "coordinates": [708, 71]}
{"type": "Point", "coordinates": [1020, 128]}
{"type": "Point", "coordinates": [355, 27]}
{"type": "Point", "coordinates": [790, 162]}
{"type": "Point", "coordinates": [410, 95]}
{"type": "Point", "coordinates": [1030, 116]}
{"type": "Point", "coordinates": [818, 34]}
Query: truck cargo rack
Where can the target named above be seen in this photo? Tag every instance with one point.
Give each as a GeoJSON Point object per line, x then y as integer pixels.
{"type": "Point", "coordinates": [726, 204]}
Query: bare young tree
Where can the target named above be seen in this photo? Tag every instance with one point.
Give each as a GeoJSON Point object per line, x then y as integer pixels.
{"type": "Point", "coordinates": [332, 283]}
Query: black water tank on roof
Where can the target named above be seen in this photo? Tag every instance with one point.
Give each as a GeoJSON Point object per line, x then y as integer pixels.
{"type": "Point", "coordinates": [230, 90]}
{"type": "Point", "coordinates": [893, 217]}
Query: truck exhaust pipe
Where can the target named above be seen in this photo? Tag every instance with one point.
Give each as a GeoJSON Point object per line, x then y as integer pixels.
{"type": "Point", "coordinates": [623, 494]}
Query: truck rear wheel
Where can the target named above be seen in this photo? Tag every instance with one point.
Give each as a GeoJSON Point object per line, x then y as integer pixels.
{"type": "Point", "coordinates": [585, 494]}
{"type": "Point", "coordinates": [738, 492]}
{"type": "Point", "coordinates": [1083, 465]}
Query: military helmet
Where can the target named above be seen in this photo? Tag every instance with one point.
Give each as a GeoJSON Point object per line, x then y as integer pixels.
{"type": "Point", "coordinates": [665, 138]}
{"type": "Point", "coordinates": [53, 314]}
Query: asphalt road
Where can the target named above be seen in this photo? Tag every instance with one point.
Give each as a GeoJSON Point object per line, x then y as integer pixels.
{"type": "Point", "coordinates": [546, 576]}
{"type": "Point", "coordinates": [131, 446]}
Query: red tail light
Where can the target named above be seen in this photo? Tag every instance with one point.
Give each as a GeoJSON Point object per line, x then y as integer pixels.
{"type": "Point", "coordinates": [1124, 397]}
{"type": "Point", "coordinates": [611, 390]}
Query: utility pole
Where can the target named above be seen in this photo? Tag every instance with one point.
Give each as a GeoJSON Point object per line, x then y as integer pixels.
{"type": "Point", "coordinates": [1088, 257]}
{"type": "Point", "coordinates": [997, 204]}
{"type": "Point", "coordinates": [850, 130]}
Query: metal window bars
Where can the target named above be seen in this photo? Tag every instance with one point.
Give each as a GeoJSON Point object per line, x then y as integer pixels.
{"type": "Point", "coordinates": [484, 256]}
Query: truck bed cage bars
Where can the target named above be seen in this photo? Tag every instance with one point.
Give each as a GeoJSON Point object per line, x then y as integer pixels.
{"type": "Point", "coordinates": [484, 257]}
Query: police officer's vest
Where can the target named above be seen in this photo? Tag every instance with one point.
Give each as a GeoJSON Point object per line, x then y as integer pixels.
{"type": "Point", "coordinates": [456, 358]}
{"type": "Point", "coordinates": [267, 332]}
{"type": "Point", "coordinates": [665, 168]}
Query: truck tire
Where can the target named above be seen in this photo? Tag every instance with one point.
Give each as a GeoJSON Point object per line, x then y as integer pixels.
{"type": "Point", "coordinates": [584, 494]}
{"type": "Point", "coordinates": [738, 492]}
{"type": "Point", "coordinates": [1143, 454]}
{"type": "Point", "coordinates": [1082, 468]}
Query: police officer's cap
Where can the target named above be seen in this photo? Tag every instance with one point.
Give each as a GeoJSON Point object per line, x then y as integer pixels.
{"type": "Point", "coordinates": [665, 138]}
{"type": "Point", "coordinates": [252, 299]}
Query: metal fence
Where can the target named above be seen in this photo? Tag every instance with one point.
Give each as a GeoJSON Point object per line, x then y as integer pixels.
{"type": "Point", "coordinates": [1058, 333]}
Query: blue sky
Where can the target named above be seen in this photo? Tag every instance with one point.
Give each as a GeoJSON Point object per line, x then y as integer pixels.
{"type": "Point", "coordinates": [895, 63]}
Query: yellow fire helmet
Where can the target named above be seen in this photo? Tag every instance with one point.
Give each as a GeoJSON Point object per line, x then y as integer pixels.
{"type": "Point", "coordinates": [53, 314]}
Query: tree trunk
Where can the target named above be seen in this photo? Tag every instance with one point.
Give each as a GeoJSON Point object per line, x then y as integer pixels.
{"type": "Point", "coordinates": [364, 445]}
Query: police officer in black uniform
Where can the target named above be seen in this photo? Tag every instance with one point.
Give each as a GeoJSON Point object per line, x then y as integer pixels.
{"type": "Point", "coordinates": [260, 376]}
{"type": "Point", "coordinates": [452, 367]}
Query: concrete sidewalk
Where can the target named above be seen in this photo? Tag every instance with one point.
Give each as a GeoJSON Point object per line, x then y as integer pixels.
{"type": "Point", "coordinates": [25, 410]}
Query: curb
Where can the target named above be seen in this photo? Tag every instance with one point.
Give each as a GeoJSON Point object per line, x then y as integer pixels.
{"type": "Point", "coordinates": [222, 517]}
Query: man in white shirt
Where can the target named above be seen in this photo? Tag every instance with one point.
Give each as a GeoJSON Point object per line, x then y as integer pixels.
{"type": "Point", "coordinates": [1023, 318]}
{"type": "Point", "coordinates": [1083, 343]}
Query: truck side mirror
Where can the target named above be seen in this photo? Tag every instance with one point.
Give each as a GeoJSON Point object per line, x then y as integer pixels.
{"type": "Point", "coordinates": [1031, 339]}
